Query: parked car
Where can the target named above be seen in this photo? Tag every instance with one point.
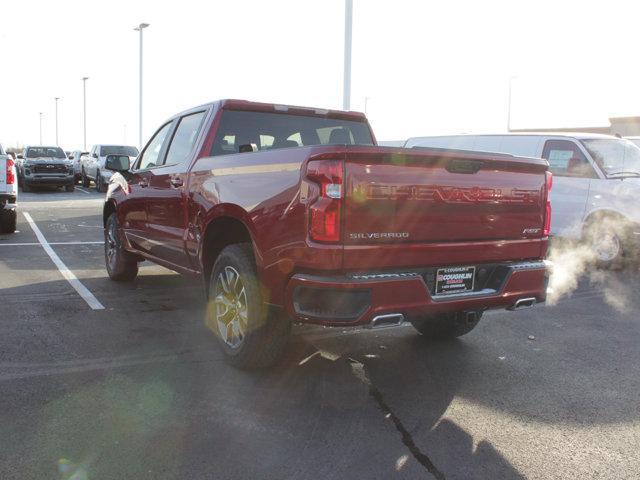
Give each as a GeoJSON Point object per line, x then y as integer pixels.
{"type": "Point", "coordinates": [75, 157]}
{"type": "Point", "coordinates": [93, 164]}
{"type": "Point", "coordinates": [45, 166]}
{"type": "Point", "coordinates": [596, 184]}
{"type": "Point", "coordinates": [291, 214]}
{"type": "Point", "coordinates": [8, 193]}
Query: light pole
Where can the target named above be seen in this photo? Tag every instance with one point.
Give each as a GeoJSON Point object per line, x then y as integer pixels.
{"type": "Point", "coordinates": [139, 28]}
{"type": "Point", "coordinates": [56, 99]}
{"type": "Point", "coordinates": [348, 23]}
{"type": "Point", "coordinates": [366, 104]}
{"type": "Point", "coordinates": [40, 113]}
{"type": "Point", "coordinates": [84, 111]}
{"type": "Point", "coordinates": [511, 79]}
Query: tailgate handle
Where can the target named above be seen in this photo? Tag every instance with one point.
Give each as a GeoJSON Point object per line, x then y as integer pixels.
{"type": "Point", "coordinates": [463, 166]}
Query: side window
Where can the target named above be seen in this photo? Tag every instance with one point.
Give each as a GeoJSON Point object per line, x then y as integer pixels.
{"type": "Point", "coordinates": [566, 159]}
{"type": "Point", "coordinates": [151, 154]}
{"type": "Point", "coordinates": [184, 138]}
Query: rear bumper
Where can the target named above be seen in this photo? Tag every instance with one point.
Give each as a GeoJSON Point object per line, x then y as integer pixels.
{"type": "Point", "coordinates": [358, 299]}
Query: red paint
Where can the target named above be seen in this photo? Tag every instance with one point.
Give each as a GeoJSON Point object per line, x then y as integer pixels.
{"type": "Point", "coordinates": [397, 209]}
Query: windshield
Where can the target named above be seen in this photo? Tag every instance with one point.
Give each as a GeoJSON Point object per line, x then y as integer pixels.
{"type": "Point", "coordinates": [614, 155]}
{"type": "Point", "coordinates": [118, 150]}
{"type": "Point", "coordinates": [36, 152]}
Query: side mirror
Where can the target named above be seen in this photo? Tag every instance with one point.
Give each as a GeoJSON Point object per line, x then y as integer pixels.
{"type": "Point", "coordinates": [117, 163]}
{"type": "Point", "coordinates": [94, 155]}
{"type": "Point", "coordinates": [70, 157]}
{"type": "Point", "coordinates": [20, 156]}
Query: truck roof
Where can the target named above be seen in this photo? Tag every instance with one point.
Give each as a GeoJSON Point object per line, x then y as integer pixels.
{"type": "Point", "coordinates": [235, 104]}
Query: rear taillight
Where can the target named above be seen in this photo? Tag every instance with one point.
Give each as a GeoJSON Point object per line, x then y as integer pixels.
{"type": "Point", "coordinates": [11, 178]}
{"type": "Point", "coordinates": [547, 214]}
{"type": "Point", "coordinates": [325, 211]}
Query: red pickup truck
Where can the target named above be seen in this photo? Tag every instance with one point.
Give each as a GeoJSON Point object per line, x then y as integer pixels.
{"type": "Point", "coordinates": [293, 215]}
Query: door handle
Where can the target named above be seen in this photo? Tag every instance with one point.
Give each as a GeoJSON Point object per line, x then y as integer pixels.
{"type": "Point", "coordinates": [176, 182]}
{"type": "Point", "coordinates": [144, 183]}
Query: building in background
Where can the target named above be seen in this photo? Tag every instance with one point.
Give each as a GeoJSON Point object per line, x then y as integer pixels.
{"type": "Point", "coordinates": [623, 126]}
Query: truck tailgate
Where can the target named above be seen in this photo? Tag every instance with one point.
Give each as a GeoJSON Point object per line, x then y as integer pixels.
{"type": "Point", "coordinates": [424, 196]}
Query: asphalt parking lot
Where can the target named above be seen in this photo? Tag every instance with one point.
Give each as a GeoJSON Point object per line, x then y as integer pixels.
{"type": "Point", "coordinates": [137, 389]}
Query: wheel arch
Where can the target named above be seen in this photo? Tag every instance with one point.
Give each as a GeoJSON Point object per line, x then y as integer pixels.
{"type": "Point", "coordinates": [226, 228]}
{"type": "Point", "coordinates": [108, 208]}
{"type": "Point", "coordinates": [599, 215]}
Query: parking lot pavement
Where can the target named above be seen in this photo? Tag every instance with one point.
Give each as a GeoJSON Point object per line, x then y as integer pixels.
{"type": "Point", "coordinates": [137, 389]}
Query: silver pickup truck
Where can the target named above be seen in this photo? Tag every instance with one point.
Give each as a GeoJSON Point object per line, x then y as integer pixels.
{"type": "Point", "coordinates": [8, 193]}
{"type": "Point", "coordinates": [596, 183]}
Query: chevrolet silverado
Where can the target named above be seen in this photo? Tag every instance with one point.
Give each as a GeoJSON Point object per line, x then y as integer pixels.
{"type": "Point", "coordinates": [292, 215]}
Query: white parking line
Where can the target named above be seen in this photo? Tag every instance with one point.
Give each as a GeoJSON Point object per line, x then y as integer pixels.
{"type": "Point", "coordinates": [29, 244]}
{"type": "Point", "coordinates": [86, 295]}
{"type": "Point", "coordinates": [84, 191]}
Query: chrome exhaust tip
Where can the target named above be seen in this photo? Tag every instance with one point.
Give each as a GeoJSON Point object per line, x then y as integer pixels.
{"type": "Point", "coordinates": [387, 321]}
{"type": "Point", "coordinates": [523, 303]}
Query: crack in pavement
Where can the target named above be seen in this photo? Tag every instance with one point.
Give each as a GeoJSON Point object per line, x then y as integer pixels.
{"type": "Point", "coordinates": [360, 373]}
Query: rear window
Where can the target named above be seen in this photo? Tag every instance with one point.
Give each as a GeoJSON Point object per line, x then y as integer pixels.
{"type": "Point", "coordinates": [55, 152]}
{"type": "Point", "coordinates": [118, 150]}
{"type": "Point", "coordinates": [252, 131]}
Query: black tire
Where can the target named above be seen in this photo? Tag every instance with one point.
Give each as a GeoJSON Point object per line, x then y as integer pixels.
{"type": "Point", "coordinates": [99, 183]}
{"type": "Point", "coordinates": [447, 325]}
{"type": "Point", "coordinates": [86, 183]}
{"type": "Point", "coordinates": [70, 188]}
{"type": "Point", "coordinates": [261, 333]}
{"type": "Point", "coordinates": [8, 219]}
{"type": "Point", "coordinates": [121, 265]}
{"type": "Point", "coordinates": [25, 187]}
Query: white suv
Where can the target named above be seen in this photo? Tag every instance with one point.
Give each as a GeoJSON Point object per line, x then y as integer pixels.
{"type": "Point", "coordinates": [8, 193]}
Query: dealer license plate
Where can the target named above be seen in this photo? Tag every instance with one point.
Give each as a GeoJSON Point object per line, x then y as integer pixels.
{"type": "Point", "coordinates": [452, 280]}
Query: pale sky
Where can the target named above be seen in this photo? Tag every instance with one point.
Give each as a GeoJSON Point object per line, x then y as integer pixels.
{"type": "Point", "coordinates": [427, 67]}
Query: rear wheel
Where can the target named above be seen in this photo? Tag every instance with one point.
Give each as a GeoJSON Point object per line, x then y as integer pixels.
{"type": "Point", "coordinates": [25, 187]}
{"type": "Point", "coordinates": [99, 182]}
{"type": "Point", "coordinates": [86, 183]}
{"type": "Point", "coordinates": [606, 237]}
{"type": "Point", "coordinates": [70, 188]}
{"type": "Point", "coordinates": [121, 265]}
{"type": "Point", "coordinates": [250, 335]}
{"type": "Point", "coordinates": [447, 325]}
{"type": "Point", "coordinates": [8, 221]}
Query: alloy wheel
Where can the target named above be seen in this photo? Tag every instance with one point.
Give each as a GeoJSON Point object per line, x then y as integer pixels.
{"type": "Point", "coordinates": [230, 304]}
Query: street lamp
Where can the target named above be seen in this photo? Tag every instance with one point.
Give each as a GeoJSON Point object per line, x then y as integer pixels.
{"type": "Point", "coordinates": [40, 113]}
{"type": "Point", "coordinates": [139, 28]}
{"type": "Point", "coordinates": [84, 110]}
{"type": "Point", "coordinates": [56, 99]}
{"type": "Point", "coordinates": [348, 21]}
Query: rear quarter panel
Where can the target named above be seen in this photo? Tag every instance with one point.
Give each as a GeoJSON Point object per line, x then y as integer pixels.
{"type": "Point", "coordinates": [261, 189]}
